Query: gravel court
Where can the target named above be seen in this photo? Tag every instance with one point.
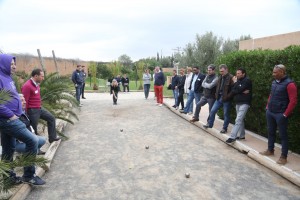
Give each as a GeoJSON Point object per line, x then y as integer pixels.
{"type": "Point", "coordinates": [101, 162]}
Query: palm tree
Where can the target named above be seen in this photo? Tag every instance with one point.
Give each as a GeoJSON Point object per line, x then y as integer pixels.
{"type": "Point", "coordinates": [22, 161]}
{"type": "Point", "coordinates": [58, 98]}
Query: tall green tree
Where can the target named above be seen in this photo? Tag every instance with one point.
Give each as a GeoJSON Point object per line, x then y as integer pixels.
{"type": "Point", "coordinates": [93, 71]}
{"type": "Point", "coordinates": [207, 49]}
{"type": "Point", "coordinates": [125, 60]}
{"type": "Point", "coordinates": [103, 71]}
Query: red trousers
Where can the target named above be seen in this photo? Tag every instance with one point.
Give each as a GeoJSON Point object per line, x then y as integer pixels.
{"type": "Point", "coordinates": [159, 93]}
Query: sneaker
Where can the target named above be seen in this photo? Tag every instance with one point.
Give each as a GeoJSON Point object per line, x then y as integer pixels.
{"type": "Point", "coordinates": [12, 180]}
{"type": "Point", "coordinates": [83, 98]}
{"type": "Point", "coordinates": [34, 181]}
{"type": "Point", "coordinates": [230, 140]}
{"type": "Point", "coordinates": [160, 105]}
{"type": "Point", "coordinates": [194, 120]}
{"type": "Point", "coordinates": [267, 153]}
{"type": "Point", "coordinates": [282, 160]}
{"type": "Point", "coordinates": [223, 131]}
{"type": "Point", "coordinates": [190, 113]}
{"type": "Point", "coordinates": [206, 126]}
{"type": "Point", "coordinates": [240, 138]}
{"type": "Point", "coordinates": [174, 106]}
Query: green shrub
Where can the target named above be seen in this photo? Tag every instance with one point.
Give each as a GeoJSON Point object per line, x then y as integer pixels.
{"type": "Point", "coordinates": [259, 66]}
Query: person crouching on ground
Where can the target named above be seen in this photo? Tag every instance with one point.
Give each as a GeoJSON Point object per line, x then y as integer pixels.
{"type": "Point", "coordinates": [114, 89]}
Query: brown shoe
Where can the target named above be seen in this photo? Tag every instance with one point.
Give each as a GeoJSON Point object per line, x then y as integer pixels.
{"type": "Point", "coordinates": [282, 160]}
{"type": "Point", "coordinates": [194, 120]}
{"type": "Point", "coordinates": [267, 153]}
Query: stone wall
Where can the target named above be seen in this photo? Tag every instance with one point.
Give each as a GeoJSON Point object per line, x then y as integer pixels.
{"type": "Point", "coordinates": [271, 42]}
{"type": "Point", "coordinates": [65, 66]}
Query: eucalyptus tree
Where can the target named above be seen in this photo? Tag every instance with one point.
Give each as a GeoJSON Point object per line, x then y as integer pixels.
{"type": "Point", "coordinates": [125, 60]}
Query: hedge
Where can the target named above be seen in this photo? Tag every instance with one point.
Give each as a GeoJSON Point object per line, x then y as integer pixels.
{"type": "Point", "coordinates": [259, 65]}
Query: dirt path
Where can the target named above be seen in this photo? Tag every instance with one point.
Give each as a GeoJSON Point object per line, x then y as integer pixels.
{"type": "Point", "coordinates": [101, 162]}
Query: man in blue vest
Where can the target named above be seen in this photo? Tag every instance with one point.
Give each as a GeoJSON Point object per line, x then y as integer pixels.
{"type": "Point", "coordinates": [281, 103]}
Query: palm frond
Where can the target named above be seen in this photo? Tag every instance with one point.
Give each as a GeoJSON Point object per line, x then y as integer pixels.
{"type": "Point", "coordinates": [5, 96]}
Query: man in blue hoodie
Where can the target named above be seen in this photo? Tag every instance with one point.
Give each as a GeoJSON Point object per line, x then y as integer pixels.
{"type": "Point", "coordinates": [11, 127]}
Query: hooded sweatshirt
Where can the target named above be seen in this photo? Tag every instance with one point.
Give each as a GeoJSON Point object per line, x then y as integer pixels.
{"type": "Point", "coordinates": [14, 105]}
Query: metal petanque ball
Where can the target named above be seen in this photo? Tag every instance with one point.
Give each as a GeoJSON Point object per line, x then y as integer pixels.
{"type": "Point", "coordinates": [187, 175]}
{"type": "Point", "coordinates": [121, 130]}
{"type": "Point", "coordinates": [147, 147]}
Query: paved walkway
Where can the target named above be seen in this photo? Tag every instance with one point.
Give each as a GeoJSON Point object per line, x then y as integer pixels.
{"type": "Point", "coordinates": [106, 158]}
{"type": "Point", "coordinates": [251, 146]}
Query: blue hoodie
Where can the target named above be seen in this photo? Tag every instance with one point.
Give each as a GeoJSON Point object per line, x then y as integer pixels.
{"type": "Point", "coordinates": [14, 105]}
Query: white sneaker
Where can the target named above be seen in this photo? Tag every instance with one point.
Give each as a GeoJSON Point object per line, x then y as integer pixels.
{"type": "Point", "coordinates": [190, 113]}
{"type": "Point", "coordinates": [176, 108]}
{"type": "Point", "coordinates": [160, 105]}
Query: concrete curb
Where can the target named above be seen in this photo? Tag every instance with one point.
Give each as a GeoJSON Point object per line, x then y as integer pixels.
{"type": "Point", "coordinates": [283, 171]}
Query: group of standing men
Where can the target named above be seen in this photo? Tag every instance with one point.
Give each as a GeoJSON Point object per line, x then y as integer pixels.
{"type": "Point", "coordinates": [220, 91]}
{"type": "Point", "coordinates": [14, 128]}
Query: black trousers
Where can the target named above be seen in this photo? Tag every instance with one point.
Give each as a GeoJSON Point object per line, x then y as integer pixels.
{"type": "Point", "coordinates": [180, 99]}
{"type": "Point", "coordinates": [82, 90]}
{"type": "Point", "coordinates": [114, 98]}
{"type": "Point", "coordinates": [124, 88]}
{"type": "Point", "coordinates": [34, 114]}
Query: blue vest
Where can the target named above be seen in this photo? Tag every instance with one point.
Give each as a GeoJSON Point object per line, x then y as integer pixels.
{"type": "Point", "coordinates": [279, 100]}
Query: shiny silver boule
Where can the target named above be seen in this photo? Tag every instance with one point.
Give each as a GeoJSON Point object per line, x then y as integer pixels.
{"type": "Point", "coordinates": [147, 147]}
{"type": "Point", "coordinates": [121, 130]}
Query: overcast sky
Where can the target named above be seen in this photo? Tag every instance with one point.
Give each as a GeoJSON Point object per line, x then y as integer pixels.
{"type": "Point", "coordinates": [103, 30]}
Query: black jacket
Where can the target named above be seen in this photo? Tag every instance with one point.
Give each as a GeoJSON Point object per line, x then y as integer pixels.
{"type": "Point", "coordinates": [175, 80]}
{"type": "Point", "coordinates": [198, 84]}
{"type": "Point", "coordinates": [239, 87]}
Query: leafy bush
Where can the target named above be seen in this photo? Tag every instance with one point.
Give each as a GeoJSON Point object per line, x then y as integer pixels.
{"type": "Point", "coordinates": [259, 66]}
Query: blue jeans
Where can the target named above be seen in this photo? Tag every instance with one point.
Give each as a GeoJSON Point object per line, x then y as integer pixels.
{"type": "Point", "coordinates": [275, 120]}
{"type": "Point", "coordinates": [20, 147]}
{"type": "Point", "coordinates": [226, 109]}
{"type": "Point", "coordinates": [146, 90]}
{"type": "Point", "coordinates": [239, 126]}
{"type": "Point", "coordinates": [192, 95]}
{"type": "Point", "coordinates": [12, 130]}
{"type": "Point", "coordinates": [175, 95]}
{"type": "Point", "coordinates": [201, 103]}
{"type": "Point", "coordinates": [78, 92]}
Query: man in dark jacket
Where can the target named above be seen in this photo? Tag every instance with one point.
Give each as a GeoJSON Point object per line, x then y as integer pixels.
{"type": "Point", "coordinates": [196, 90]}
{"type": "Point", "coordinates": [77, 78]}
{"type": "Point", "coordinates": [125, 83]}
{"type": "Point", "coordinates": [174, 87]}
{"type": "Point", "coordinates": [180, 87]}
{"type": "Point", "coordinates": [209, 91]}
{"type": "Point", "coordinates": [83, 84]}
{"type": "Point", "coordinates": [281, 103]}
{"type": "Point", "coordinates": [223, 90]}
{"type": "Point", "coordinates": [242, 92]}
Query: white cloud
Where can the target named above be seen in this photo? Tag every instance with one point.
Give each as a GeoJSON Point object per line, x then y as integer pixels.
{"type": "Point", "coordinates": [103, 30]}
